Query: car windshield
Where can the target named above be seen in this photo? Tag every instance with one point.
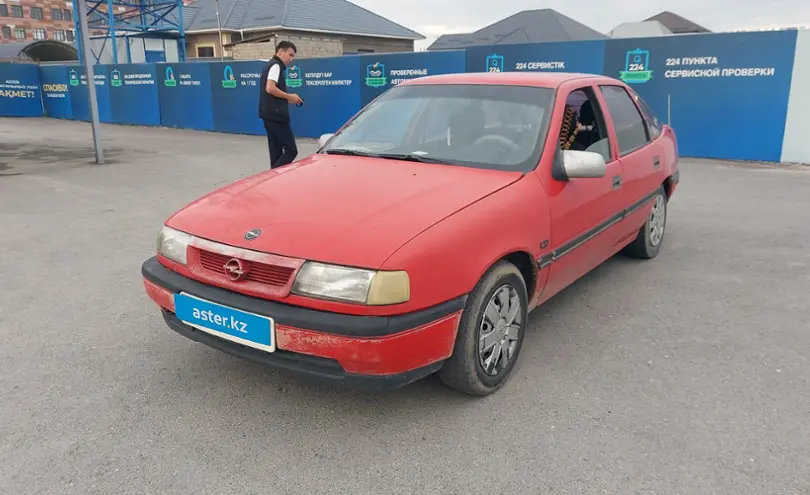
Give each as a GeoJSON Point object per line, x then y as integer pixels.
{"type": "Point", "coordinates": [487, 126]}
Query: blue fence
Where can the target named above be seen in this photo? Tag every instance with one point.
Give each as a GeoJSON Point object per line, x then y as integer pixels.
{"type": "Point", "coordinates": [726, 95]}
{"type": "Point", "coordinates": [20, 91]}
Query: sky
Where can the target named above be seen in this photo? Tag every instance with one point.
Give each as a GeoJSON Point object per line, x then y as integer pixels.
{"type": "Point", "coordinates": [433, 18]}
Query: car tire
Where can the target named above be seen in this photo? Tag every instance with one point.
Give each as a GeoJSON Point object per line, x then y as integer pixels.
{"type": "Point", "coordinates": [648, 242]}
{"type": "Point", "coordinates": [494, 296]}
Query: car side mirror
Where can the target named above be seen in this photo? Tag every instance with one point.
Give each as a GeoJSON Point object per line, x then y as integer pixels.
{"type": "Point", "coordinates": [583, 164]}
{"type": "Point", "coordinates": [323, 139]}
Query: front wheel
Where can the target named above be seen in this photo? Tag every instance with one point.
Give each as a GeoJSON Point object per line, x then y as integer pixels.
{"type": "Point", "coordinates": [651, 236]}
{"type": "Point", "coordinates": [490, 333]}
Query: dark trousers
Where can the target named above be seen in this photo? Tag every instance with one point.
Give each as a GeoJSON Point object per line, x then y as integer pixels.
{"type": "Point", "coordinates": [281, 142]}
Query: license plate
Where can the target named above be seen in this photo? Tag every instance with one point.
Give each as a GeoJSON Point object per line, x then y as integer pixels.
{"type": "Point", "coordinates": [231, 324]}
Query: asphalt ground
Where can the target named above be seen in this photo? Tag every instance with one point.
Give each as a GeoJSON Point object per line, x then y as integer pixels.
{"type": "Point", "coordinates": [688, 374]}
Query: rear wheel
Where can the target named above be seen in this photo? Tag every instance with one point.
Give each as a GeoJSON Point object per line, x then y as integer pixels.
{"type": "Point", "coordinates": [651, 236]}
{"type": "Point", "coordinates": [490, 334]}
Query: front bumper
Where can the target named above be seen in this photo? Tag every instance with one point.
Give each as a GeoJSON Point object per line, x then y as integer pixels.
{"type": "Point", "coordinates": [362, 352]}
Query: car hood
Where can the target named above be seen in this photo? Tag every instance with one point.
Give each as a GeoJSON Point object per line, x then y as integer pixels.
{"type": "Point", "coordinates": [354, 211]}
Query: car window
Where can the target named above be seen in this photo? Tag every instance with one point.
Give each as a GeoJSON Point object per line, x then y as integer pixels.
{"type": "Point", "coordinates": [486, 126]}
{"type": "Point", "coordinates": [653, 123]}
{"type": "Point", "coordinates": [499, 118]}
{"type": "Point", "coordinates": [631, 129]}
{"type": "Point", "coordinates": [377, 126]}
{"type": "Point", "coordinates": [438, 119]}
{"type": "Point", "coordinates": [583, 126]}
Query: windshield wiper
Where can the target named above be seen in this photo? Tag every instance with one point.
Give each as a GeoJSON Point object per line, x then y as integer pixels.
{"type": "Point", "coordinates": [413, 158]}
{"type": "Point", "coordinates": [388, 156]}
{"type": "Point", "coordinates": [343, 151]}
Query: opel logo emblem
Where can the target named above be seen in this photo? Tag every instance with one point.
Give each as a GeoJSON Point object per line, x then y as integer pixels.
{"type": "Point", "coordinates": [235, 269]}
{"type": "Point", "coordinates": [252, 234]}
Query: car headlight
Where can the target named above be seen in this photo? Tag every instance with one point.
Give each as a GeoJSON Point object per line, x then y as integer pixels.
{"type": "Point", "coordinates": [374, 288]}
{"type": "Point", "coordinates": [173, 244]}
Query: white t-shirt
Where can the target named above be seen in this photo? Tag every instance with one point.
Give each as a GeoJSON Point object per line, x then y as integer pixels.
{"type": "Point", "coordinates": [275, 71]}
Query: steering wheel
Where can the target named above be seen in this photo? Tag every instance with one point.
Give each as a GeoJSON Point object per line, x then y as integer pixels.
{"type": "Point", "coordinates": [501, 142]}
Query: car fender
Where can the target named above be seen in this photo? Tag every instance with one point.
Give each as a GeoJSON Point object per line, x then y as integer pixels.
{"type": "Point", "coordinates": [671, 170]}
{"type": "Point", "coordinates": [447, 260]}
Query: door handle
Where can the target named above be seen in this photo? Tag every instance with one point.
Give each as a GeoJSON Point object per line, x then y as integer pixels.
{"type": "Point", "coordinates": [617, 181]}
{"type": "Point", "coordinates": [656, 162]}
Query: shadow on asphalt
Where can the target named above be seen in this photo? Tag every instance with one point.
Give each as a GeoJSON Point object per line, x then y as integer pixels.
{"type": "Point", "coordinates": [22, 159]}
{"type": "Point", "coordinates": [221, 369]}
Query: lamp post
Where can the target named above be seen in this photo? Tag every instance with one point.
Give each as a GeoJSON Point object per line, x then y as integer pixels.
{"type": "Point", "coordinates": [219, 34]}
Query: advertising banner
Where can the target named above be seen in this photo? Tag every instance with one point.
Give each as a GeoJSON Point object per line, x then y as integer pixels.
{"type": "Point", "coordinates": [726, 94]}
{"type": "Point", "coordinates": [235, 96]}
{"type": "Point", "coordinates": [55, 92]}
{"type": "Point", "coordinates": [580, 56]}
{"type": "Point", "coordinates": [184, 92]}
{"type": "Point", "coordinates": [20, 91]}
{"type": "Point", "coordinates": [79, 99]}
{"type": "Point", "coordinates": [134, 94]}
{"type": "Point", "coordinates": [330, 88]}
{"type": "Point", "coordinates": [379, 73]}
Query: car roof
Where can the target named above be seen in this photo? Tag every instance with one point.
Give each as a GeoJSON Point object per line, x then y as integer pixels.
{"type": "Point", "coordinates": [538, 79]}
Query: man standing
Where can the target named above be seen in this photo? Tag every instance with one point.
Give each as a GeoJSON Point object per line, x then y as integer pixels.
{"type": "Point", "coordinates": [273, 106]}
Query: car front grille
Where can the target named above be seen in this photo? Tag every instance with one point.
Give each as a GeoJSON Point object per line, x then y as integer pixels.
{"type": "Point", "coordinates": [272, 275]}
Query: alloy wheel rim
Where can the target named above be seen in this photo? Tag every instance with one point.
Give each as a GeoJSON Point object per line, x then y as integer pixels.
{"type": "Point", "coordinates": [658, 217]}
{"type": "Point", "coordinates": [499, 331]}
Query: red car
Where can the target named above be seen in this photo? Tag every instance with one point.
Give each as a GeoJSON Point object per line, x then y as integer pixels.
{"type": "Point", "coordinates": [421, 234]}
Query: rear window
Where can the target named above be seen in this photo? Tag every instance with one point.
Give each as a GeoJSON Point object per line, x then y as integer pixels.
{"type": "Point", "coordinates": [631, 129]}
{"type": "Point", "coordinates": [650, 116]}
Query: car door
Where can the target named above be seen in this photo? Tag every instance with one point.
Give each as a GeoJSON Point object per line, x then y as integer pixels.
{"type": "Point", "coordinates": [640, 154]}
{"type": "Point", "coordinates": [584, 212]}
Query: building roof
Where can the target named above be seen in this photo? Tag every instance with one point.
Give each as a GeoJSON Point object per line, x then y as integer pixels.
{"type": "Point", "coordinates": [677, 24]}
{"type": "Point", "coordinates": [644, 29]}
{"type": "Point", "coordinates": [324, 16]}
{"type": "Point", "coordinates": [529, 26]}
{"type": "Point", "coordinates": [38, 51]}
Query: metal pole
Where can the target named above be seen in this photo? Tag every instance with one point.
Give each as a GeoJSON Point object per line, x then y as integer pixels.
{"type": "Point", "coordinates": [91, 81]}
{"type": "Point", "coordinates": [77, 31]}
{"type": "Point", "coordinates": [180, 25]}
{"type": "Point", "coordinates": [219, 33]}
{"type": "Point", "coordinates": [669, 109]}
{"type": "Point", "coordinates": [111, 17]}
